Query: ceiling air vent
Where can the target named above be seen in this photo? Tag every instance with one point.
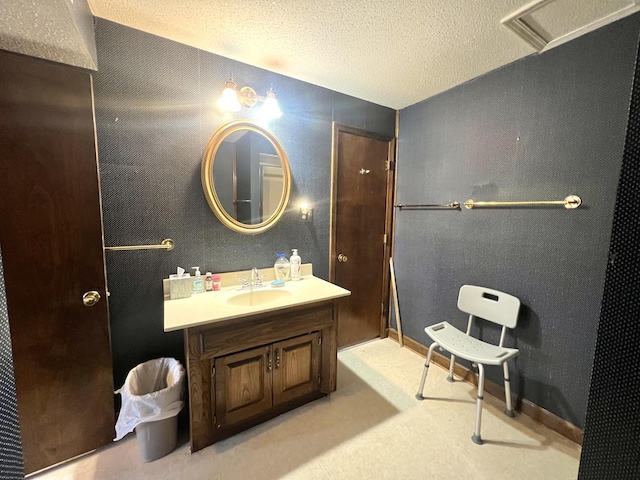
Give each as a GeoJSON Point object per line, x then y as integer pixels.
{"type": "Point", "coordinates": [545, 24]}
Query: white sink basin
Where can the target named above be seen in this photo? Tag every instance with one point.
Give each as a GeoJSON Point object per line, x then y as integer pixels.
{"type": "Point", "coordinates": [258, 297]}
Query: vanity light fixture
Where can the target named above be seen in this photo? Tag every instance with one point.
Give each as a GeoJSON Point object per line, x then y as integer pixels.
{"type": "Point", "coordinates": [232, 100]}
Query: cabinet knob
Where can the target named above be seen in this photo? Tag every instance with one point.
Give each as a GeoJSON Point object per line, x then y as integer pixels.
{"type": "Point", "coordinates": [342, 258]}
{"type": "Point", "coordinates": [90, 298]}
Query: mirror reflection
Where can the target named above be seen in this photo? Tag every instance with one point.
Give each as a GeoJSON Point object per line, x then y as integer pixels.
{"type": "Point", "coordinates": [245, 177]}
{"type": "Point", "coordinates": [248, 177]}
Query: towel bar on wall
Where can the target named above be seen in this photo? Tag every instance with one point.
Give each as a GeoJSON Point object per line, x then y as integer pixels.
{"type": "Point", "coordinates": [452, 205]}
{"type": "Point", "coordinates": [166, 244]}
{"type": "Point", "coordinates": [572, 201]}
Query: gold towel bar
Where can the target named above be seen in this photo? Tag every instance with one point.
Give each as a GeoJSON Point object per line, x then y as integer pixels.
{"type": "Point", "coordinates": [572, 201]}
{"type": "Point", "coordinates": [166, 244]}
{"type": "Point", "coordinates": [429, 205]}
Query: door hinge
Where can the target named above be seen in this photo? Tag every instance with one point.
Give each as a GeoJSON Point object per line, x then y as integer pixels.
{"type": "Point", "coordinates": [213, 370]}
{"type": "Point", "coordinates": [388, 165]}
{"type": "Point", "coordinates": [319, 340]}
{"type": "Point", "coordinates": [384, 239]}
{"type": "Point", "coordinates": [319, 380]}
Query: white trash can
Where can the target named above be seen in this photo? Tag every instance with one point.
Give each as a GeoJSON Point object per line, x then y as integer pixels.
{"type": "Point", "coordinates": [152, 397]}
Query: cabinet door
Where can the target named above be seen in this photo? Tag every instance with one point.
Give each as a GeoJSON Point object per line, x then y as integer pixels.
{"type": "Point", "coordinates": [242, 385]}
{"type": "Point", "coordinates": [296, 369]}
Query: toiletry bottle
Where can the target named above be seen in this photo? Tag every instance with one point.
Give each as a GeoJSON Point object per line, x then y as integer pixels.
{"type": "Point", "coordinates": [296, 265]}
{"type": "Point", "coordinates": [216, 283]}
{"type": "Point", "coordinates": [208, 282]}
{"type": "Point", "coordinates": [198, 284]}
{"type": "Point", "coordinates": [282, 268]}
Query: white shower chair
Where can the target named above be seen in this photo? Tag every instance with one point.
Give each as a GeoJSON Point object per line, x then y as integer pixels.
{"type": "Point", "coordinates": [494, 306]}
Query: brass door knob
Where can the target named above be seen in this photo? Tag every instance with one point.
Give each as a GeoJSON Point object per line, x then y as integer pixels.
{"type": "Point", "coordinates": [342, 258]}
{"type": "Point", "coordinates": [90, 298]}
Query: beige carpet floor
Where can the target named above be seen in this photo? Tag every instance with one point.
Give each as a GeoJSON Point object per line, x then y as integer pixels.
{"type": "Point", "coordinates": [372, 427]}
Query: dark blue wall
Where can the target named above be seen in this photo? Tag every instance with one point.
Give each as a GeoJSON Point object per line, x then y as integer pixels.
{"type": "Point", "coordinates": [542, 128]}
{"type": "Point", "coordinates": [155, 111]}
{"type": "Point", "coordinates": [611, 447]}
{"type": "Point", "coordinates": [11, 463]}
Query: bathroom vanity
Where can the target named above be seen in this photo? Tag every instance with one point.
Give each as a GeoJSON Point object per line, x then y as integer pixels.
{"type": "Point", "coordinates": [254, 354]}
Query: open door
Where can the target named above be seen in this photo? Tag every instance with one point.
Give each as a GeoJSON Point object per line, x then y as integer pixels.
{"type": "Point", "coordinates": [53, 257]}
{"type": "Point", "coordinates": [362, 191]}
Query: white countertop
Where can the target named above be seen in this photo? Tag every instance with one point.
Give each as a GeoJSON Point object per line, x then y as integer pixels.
{"type": "Point", "coordinates": [209, 307]}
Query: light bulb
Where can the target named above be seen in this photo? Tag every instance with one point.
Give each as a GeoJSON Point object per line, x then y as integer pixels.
{"type": "Point", "coordinates": [271, 108]}
{"type": "Point", "coordinates": [229, 99]}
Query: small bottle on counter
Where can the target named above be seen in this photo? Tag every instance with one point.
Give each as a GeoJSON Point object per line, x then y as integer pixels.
{"type": "Point", "coordinates": [296, 263]}
{"type": "Point", "coordinates": [208, 282]}
{"type": "Point", "coordinates": [198, 284]}
{"type": "Point", "coordinates": [216, 283]}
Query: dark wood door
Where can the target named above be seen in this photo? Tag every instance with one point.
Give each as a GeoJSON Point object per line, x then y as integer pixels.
{"type": "Point", "coordinates": [296, 369]}
{"type": "Point", "coordinates": [52, 251]}
{"type": "Point", "coordinates": [362, 188]}
{"type": "Point", "coordinates": [243, 385]}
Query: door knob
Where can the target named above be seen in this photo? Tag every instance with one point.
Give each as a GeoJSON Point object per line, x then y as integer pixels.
{"type": "Point", "coordinates": [90, 298]}
{"type": "Point", "coordinates": [342, 258]}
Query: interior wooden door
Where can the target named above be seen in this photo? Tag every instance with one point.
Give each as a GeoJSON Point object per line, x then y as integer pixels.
{"type": "Point", "coordinates": [296, 367]}
{"type": "Point", "coordinates": [243, 385]}
{"type": "Point", "coordinates": [361, 212]}
{"type": "Point", "coordinates": [52, 249]}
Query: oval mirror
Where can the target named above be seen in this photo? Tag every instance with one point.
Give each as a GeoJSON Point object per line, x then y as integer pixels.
{"type": "Point", "coordinates": [246, 177]}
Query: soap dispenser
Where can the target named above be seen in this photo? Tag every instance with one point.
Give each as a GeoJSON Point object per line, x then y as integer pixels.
{"type": "Point", "coordinates": [198, 284]}
{"type": "Point", "coordinates": [282, 268]}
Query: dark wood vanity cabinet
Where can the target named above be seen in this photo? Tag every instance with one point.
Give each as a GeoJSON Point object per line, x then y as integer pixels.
{"type": "Point", "coordinates": [253, 381]}
{"type": "Point", "coordinates": [245, 371]}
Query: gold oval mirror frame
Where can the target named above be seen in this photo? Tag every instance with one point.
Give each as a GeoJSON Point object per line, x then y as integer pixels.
{"type": "Point", "coordinates": [246, 177]}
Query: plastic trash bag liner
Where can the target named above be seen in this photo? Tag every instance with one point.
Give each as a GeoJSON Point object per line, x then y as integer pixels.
{"type": "Point", "coordinates": [152, 391]}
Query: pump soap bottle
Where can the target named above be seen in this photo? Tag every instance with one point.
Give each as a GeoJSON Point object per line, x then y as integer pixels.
{"type": "Point", "coordinates": [282, 268]}
{"type": "Point", "coordinates": [198, 284]}
{"type": "Point", "coordinates": [296, 263]}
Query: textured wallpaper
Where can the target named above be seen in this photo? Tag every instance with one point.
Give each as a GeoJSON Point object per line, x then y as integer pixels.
{"type": "Point", "coordinates": [11, 464]}
{"type": "Point", "coordinates": [541, 128]}
{"type": "Point", "coordinates": [611, 447]}
{"type": "Point", "coordinates": [155, 111]}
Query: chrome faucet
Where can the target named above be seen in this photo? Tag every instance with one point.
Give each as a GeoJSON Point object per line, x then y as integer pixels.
{"type": "Point", "coordinates": [256, 278]}
{"type": "Point", "coordinates": [255, 282]}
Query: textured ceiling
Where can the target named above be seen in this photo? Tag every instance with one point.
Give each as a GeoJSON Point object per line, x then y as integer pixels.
{"type": "Point", "coordinates": [391, 53]}
{"type": "Point", "coordinates": [58, 30]}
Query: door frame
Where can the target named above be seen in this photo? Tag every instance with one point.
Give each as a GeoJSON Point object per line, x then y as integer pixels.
{"type": "Point", "coordinates": [337, 128]}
